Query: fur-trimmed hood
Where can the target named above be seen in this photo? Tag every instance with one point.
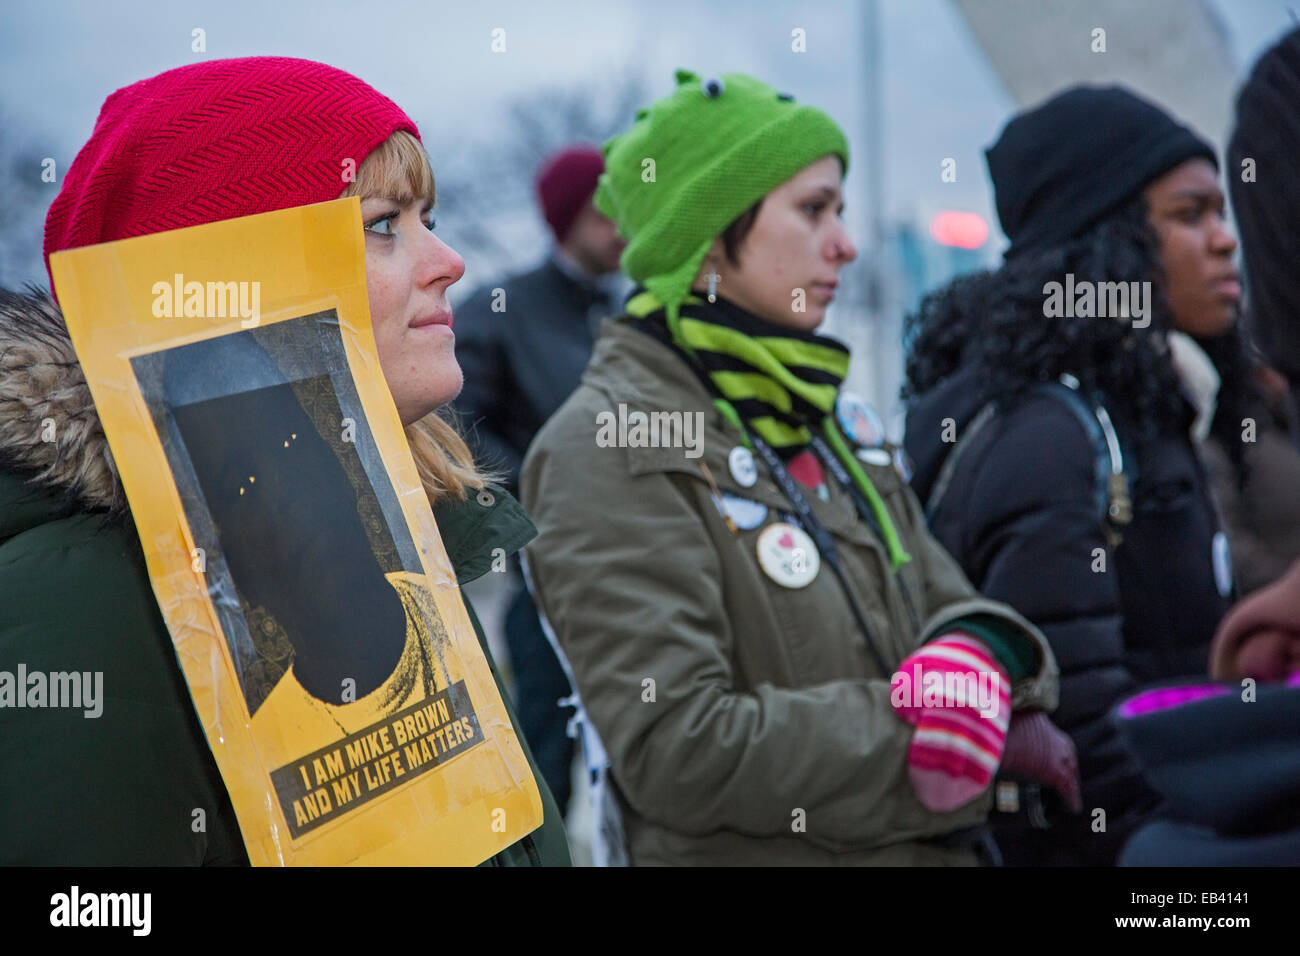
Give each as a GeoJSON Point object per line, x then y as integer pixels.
{"type": "Point", "coordinates": [50, 431]}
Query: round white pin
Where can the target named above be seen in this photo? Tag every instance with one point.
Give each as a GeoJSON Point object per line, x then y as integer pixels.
{"type": "Point", "coordinates": [859, 420]}
{"type": "Point", "coordinates": [788, 556]}
{"type": "Point", "coordinates": [746, 514]}
{"type": "Point", "coordinates": [875, 456]}
{"type": "Point", "coordinates": [743, 469]}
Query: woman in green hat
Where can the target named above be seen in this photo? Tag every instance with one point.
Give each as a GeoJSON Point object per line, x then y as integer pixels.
{"type": "Point", "coordinates": [781, 663]}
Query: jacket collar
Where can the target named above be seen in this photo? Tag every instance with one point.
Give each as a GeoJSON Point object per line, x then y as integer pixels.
{"type": "Point", "coordinates": [570, 267]}
{"type": "Point", "coordinates": [645, 371]}
{"type": "Point", "coordinates": [55, 459]}
{"type": "Point", "coordinates": [482, 530]}
{"type": "Point", "coordinates": [1200, 380]}
{"type": "Point", "coordinates": [635, 369]}
{"type": "Point", "coordinates": [49, 431]}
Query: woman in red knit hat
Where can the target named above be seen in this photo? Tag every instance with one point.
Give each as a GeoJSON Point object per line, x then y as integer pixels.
{"type": "Point", "coordinates": [198, 144]}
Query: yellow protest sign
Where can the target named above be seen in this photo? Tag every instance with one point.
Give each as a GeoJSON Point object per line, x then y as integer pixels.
{"type": "Point", "coordinates": [290, 544]}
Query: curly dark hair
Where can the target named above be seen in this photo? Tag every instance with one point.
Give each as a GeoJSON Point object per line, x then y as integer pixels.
{"type": "Point", "coordinates": [994, 322]}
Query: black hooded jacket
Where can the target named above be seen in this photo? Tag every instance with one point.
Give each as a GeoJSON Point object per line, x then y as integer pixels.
{"type": "Point", "coordinates": [1022, 517]}
{"type": "Point", "coordinates": [522, 359]}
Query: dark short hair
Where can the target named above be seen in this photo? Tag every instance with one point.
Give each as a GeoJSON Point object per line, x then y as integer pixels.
{"type": "Point", "coordinates": [735, 234]}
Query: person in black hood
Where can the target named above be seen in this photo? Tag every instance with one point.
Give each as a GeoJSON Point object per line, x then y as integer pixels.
{"type": "Point", "coordinates": [1050, 410]}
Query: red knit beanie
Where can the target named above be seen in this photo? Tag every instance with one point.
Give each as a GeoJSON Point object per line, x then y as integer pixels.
{"type": "Point", "coordinates": [217, 140]}
{"type": "Point", "coordinates": [566, 182]}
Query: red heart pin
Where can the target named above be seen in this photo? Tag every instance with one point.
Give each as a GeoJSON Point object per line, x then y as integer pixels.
{"type": "Point", "coordinates": [786, 541]}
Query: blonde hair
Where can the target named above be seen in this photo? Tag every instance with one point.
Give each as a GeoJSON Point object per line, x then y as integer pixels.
{"type": "Point", "coordinates": [399, 169]}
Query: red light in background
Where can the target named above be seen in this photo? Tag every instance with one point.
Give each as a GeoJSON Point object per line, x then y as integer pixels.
{"type": "Point", "coordinates": [966, 230]}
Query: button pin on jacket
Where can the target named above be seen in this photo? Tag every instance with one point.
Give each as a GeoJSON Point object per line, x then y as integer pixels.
{"type": "Point", "coordinates": [875, 456]}
{"type": "Point", "coordinates": [743, 469]}
{"type": "Point", "coordinates": [859, 420]}
{"type": "Point", "coordinates": [787, 555]}
{"type": "Point", "coordinates": [747, 515]}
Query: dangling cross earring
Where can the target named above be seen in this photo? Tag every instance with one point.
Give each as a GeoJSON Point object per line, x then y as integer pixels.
{"type": "Point", "coordinates": [713, 284]}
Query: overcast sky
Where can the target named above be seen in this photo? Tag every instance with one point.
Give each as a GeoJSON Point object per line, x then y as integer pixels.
{"type": "Point", "coordinates": [59, 59]}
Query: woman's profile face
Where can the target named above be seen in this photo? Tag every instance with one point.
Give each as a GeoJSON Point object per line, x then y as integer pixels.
{"type": "Point", "coordinates": [789, 262]}
{"type": "Point", "coordinates": [1186, 209]}
{"type": "Point", "coordinates": [408, 272]}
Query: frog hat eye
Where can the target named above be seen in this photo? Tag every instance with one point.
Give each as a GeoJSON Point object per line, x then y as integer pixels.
{"type": "Point", "coordinates": [713, 87]}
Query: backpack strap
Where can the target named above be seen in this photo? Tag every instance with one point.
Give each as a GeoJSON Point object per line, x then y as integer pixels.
{"type": "Point", "coordinates": [1112, 481]}
{"type": "Point", "coordinates": [977, 424]}
{"type": "Point", "coordinates": [1114, 477]}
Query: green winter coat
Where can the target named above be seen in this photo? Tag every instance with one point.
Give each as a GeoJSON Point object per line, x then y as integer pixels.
{"type": "Point", "coordinates": [745, 721]}
{"type": "Point", "coordinates": [124, 788]}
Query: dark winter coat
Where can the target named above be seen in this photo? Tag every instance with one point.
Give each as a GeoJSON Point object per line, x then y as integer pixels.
{"type": "Point", "coordinates": [1022, 518]}
{"type": "Point", "coordinates": [1229, 767]}
{"type": "Point", "coordinates": [521, 359]}
{"type": "Point", "coordinates": [122, 788]}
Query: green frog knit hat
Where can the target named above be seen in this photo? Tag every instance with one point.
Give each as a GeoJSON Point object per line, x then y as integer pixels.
{"type": "Point", "coordinates": [696, 160]}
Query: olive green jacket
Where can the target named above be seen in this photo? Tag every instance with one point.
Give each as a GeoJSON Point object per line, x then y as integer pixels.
{"type": "Point", "coordinates": [745, 721]}
{"type": "Point", "coordinates": [122, 788]}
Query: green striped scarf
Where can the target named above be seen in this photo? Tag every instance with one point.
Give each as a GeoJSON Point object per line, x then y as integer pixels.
{"type": "Point", "coordinates": [779, 384]}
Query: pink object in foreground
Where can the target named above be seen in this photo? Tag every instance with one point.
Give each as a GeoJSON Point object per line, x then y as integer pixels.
{"type": "Point", "coordinates": [1163, 698]}
{"type": "Point", "coordinates": [956, 748]}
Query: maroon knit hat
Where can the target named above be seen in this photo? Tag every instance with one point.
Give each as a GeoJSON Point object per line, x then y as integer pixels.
{"type": "Point", "coordinates": [217, 140]}
{"type": "Point", "coordinates": [565, 183]}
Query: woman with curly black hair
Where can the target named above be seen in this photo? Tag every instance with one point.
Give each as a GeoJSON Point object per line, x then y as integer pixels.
{"type": "Point", "coordinates": [1052, 408]}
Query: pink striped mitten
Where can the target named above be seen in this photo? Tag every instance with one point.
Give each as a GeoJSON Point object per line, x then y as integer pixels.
{"type": "Point", "coordinates": [958, 697]}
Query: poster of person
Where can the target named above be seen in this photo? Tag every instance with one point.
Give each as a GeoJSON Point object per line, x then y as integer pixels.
{"type": "Point", "coordinates": [290, 544]}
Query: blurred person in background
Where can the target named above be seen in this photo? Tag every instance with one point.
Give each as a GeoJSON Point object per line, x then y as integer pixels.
{"type": "Point", "coordinates": [1253, 463]}
{"type": "Point", "coordinates": [523, 346]}
{"type": "Point", "coordinates": [1227, 756]}
{"type": "Point", "coordinates": [1055, 442]}
{"type": "Point", "coordinates": [1266, 200]}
